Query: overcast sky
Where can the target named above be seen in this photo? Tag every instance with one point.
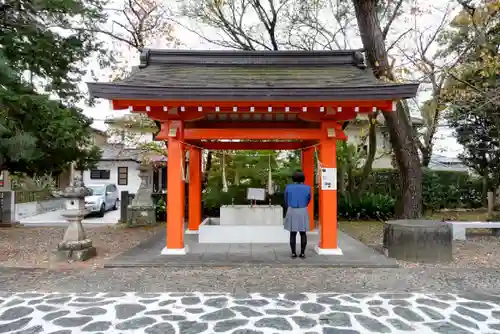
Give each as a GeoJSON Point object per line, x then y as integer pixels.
{"type": "Point", "coordinates": [427, 21]}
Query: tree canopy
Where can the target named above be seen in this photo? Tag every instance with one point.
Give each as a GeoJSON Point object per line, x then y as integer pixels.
{"type": "Point", "coordinates": [43, 53]}
{"type": "Point", "coordinates": [473, 88]}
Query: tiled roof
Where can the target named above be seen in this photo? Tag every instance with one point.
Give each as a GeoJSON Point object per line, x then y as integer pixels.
{"type": "Point", "coordinates": [118, 152]}
{"type": "Point", "coordinates": [256, 75]}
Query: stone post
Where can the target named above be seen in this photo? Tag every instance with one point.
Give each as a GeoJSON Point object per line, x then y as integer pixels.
{"type": "Point", "coordinates": [75, 244]}
{"type": "Point", "coordinates": [141, 212]}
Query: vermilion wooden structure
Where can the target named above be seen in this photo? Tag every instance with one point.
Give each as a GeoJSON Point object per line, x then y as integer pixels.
{"type": "Point", "coordinates": [283, 100]}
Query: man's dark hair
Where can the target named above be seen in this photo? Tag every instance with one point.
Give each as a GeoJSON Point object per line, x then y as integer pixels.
{"type": "Point", "coordinates": [298, 177]}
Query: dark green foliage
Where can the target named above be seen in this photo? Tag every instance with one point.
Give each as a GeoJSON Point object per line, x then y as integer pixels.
{"type": "Point", "coordinates": [44, 47]}
{"type": "Point", "coordinates": [441, 189]}
{"type": "Point", "coordinates": [366, 206]}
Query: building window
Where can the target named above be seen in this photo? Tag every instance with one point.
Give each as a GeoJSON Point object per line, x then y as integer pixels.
{"type": "Point", "coordinates": [122, 176]}
{"type": "Point", "coordinates": [100, 174]}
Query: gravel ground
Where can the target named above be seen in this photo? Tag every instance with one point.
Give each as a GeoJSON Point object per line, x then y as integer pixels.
{"type": "Point", "coordinates": [252, 279]}
{"type": "Point", "coordinates": [31, 247]}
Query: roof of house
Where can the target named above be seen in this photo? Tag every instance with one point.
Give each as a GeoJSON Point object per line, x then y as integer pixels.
{"type": "Point", "coordinates": [257, 75]}
{"type": "Point", "coordinates": [118, 152]}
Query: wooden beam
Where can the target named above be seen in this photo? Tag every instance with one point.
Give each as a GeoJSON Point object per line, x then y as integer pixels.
{"type": "Point", "coordinates": [254, 134]}
{"type": "Point", "coordinates": [298, 124]}
{"type": "Point", "coordinates": [215, 146]}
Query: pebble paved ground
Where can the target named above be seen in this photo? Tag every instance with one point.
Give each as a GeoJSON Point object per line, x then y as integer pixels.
{"type": "Point", "coordinates": [190, 313]}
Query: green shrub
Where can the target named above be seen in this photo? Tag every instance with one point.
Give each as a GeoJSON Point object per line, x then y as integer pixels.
{"type": "Point", "coordinates": [366, 206]}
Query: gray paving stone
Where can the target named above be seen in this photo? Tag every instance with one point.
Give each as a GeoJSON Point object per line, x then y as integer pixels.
{"type": "Point", "coordinates": [195, 310]}
{"type": "Point", "coordinates": [72, 321]}
{"type": "Point", "coordinates": [227, 325]}
{"type": "Point", "coordinates": [61, 300]}
{"type": "Point", "coordinates": [17, 312]}
{"type": "Point", "coordinates": [328, 300]}
{"type": "Point", "coordinates": [399, 302]}
{"type": "Point", "coordinates": [125, 311]}
{"type": "Point", "coordinates": [280, 312]}
{"type": "Point", "coordinates": [400, 324]}
{"type": "Point", "coordinates": [218, 302]}
{"type": "Point", "coordinates": [246, 311]}
{"type": "Point", "coordinates": [190, 301]}
{"type": "Point", "coordinates": [102, 303]}
{"type": "Point", "coordinates": [113, 295]}
{"type": "Point", "coordinates": [147, 301]}
{"type": "Point", "coordinates": [463, 322]}
{"type": "Point", "coordinates": [14, 325]}
{"type": "Point", "coordinates": [174, 317]}
{"type": "Point", "coordinates": [432, 303]}
{"type": "Point", "coordinates": [63, 331]}
{"type": "Point", "coordinates": [345, 308]}
{"type": "Point", "coordinates": [148, 295]}
{"type": "Point", "coordinates": [395, 295]}
{"type": "Point", "coordinates": [14, 302]}
{"type": "Point", "coordinates": [32, 330]}
{"type": "Point", "coordinates": [431, 313]}
{"type": "Point", "coordinates": [295, 296]}
{"type": "Point", "coordinates": [97, 326]}
{"type": "Point", "coordinates": [158, 312]}
{"type": "Point", "coordinates": [46, 308]}
{"type": "Point", "coordinates": [92, 311]}
{"type": "Point", "coordinates": [337, 319]}
{"type": "Point", "coordinates": [372, 324]}
{"type": "Point", "coordinates": [333, 330]}
{"type": "Point", "coordinates": [408, 314]}
{"type": "Point", "coordinates": [135, 323]}
{"type": "Point", "coordinates": [476, 305]}
{"type": "Point", "coordinates": [445, 296]}
{"type": "Point", "coordinates": [167, 302]}
{"type": "Point", "coordinates": [374, 302]}
{"type": "Point", "coordinates": [470, 313]}
{"type": "Point", "coordinates": [494, 326]}
{"type": "Point", "coordinates": [192, 327]}
{"type": "Point", "coordinates": [247, 331]}
{"type": "Point", "coordinates": [55, 315]}
{"type": "Point", "coordinates": [378, 311]}
{"type": "Point", "coordinates": [304, 322]}
{"type": "Point", "coordinates": [34, 302]}
{"type": "Point", "coordinates": [252, 302]}
{"type": "Point", "coordinates": [285, 303]}
{"type": "Point", "coordinates": [349, 299]}
{"type": "Point", "coordinates": [161, 328]}
{"type": "Point", "coordinates": [221, 314]}
{"type": "Point", "coordinates": [312, 308]}
{"type": "Point", "coordinates": [28, 295]}
{"type": "Point", "coordinates": [274, 322]}
{"type": "Point", "coordinates": [87, 300]}
{"type": "Point", "coordinates": [444, 327]}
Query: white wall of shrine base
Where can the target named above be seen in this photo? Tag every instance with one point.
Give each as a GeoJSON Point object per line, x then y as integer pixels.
{"type": "Point", "coordinates": [211, 232]}
{"type": "Point", "coordinates": [251, 215]}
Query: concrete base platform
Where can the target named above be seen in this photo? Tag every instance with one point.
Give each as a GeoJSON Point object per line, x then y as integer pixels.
{"type": "Point", "coordinates": [148, 254]}
{"type": "Point", "coordinates": [175, 251]}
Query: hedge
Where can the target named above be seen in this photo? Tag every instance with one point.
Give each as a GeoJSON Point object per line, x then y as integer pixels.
{"type": "Point", "coordinates": [441, 189]}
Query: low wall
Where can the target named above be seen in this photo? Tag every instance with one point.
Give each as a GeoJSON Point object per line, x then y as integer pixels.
{"type": "Point", "coordinates": [211, 232]}
{"type": "Point", "coordinates": [29, 209]}
{"type": "Point", "coordinates": [251, 215]}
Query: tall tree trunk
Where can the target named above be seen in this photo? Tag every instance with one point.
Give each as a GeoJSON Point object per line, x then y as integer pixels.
{"type": "Point", "coordinates": [400, 131]}
{"type": "Point", "coordinates": [372, 150]}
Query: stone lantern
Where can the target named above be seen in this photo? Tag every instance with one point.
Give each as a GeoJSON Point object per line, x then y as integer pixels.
{"type": "Point", "coordinates": [75, 244]}
{"type": "Point", "coordinates": [141, 212]}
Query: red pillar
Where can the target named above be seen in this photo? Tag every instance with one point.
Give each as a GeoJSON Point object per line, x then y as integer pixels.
{"type": "Point", "coordinates": [328, 197]}
{"type": "Point", "coordinates": [194, 201]}
{"type": "Point", "coordinates": [175, 199]}
{"type": "Point", "coordinates": [308, 169]}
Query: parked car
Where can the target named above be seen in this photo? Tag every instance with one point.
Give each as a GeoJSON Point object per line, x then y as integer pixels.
{"type": "Point", "coordinates": [104, 197]}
